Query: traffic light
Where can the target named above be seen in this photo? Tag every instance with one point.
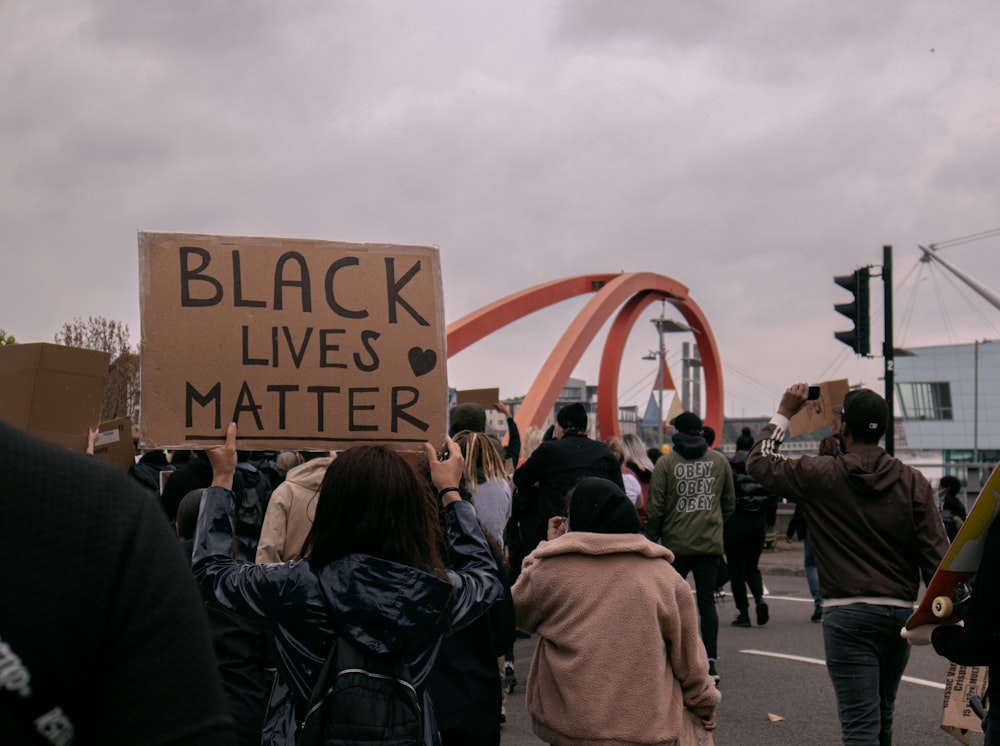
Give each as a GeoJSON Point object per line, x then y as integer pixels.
{"type": "Point", "coordinates": [859, 338]}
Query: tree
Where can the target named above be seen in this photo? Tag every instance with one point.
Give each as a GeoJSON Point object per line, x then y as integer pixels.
{"type": "Point", "coordinates": [6, 339]}
{"type": "Point", "coordinates": [112, 337]}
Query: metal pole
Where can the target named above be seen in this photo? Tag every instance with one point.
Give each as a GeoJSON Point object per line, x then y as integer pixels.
{"type": "Point", "coordinates": [975, 420]}
{"type": "Point", "coordinates": [661, 361]}
{"type": "Point", "coordinates": [696, 380]}
{"type": "Point", "coordinates": [686, 376]}
{"type": "Point", "coordinates": [888, 351]}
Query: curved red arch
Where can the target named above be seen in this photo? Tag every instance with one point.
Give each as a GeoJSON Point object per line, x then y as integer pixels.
{"type": "Point", "coordinates": [607, 385]}
{"type": "Point", "coordinates": [633, 292]}
{"type": "Point", "coordinates": [481, 323]}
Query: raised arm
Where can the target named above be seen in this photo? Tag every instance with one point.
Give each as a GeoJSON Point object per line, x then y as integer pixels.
{"type": "Point", "coordinates": [473, 574]}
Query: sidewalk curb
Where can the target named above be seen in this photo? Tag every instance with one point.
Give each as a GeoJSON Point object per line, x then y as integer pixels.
{"type": "Point", "coordinates": [783, 559]}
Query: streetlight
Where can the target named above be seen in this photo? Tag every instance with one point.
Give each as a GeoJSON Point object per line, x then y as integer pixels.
{"type": "Point", "coordinates": [663, 325]}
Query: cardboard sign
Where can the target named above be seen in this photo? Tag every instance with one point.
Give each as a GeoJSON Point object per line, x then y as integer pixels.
{"type": "Point", "coordinates": [53, 391]}
{"type": "Point", "coordinates": [958, 719]}
{"type": "Point", "coordinates": [485, 398]}
{"type": "Point", "coordinates": [304, 344]}
{"type": "Point", "coordinates": [819, 413]}
{"type": "Point", "coordinates": [114, 443]}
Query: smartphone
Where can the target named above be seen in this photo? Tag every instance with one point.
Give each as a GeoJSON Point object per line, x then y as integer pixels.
{"type": "Point", "coordinates": [813, 393]}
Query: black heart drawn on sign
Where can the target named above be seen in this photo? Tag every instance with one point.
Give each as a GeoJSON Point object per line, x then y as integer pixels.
{"type": "Point", "coordinates": [421, 361]}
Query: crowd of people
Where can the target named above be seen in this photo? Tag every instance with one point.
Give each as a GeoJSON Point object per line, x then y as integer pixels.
{"type": "Point", "coordinates": [437, 561]}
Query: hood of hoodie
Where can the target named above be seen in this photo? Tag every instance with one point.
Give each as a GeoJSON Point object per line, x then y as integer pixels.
{"type": "Point", "coordinates": [358, 590]}
{"type": "Point", "coordinates": [690, 446]}
{"type": "Point", "coordinates": [738, 462]}
{"type": "Point", "coordinates": [584, 542]}
{"type": "Point", "coordinates": [870, 470]}
{"type": "Point", "coordinates": [310, 474]}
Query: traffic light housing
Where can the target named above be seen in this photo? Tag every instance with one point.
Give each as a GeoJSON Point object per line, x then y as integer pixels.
{"type": "Point", "coordinates": [858, 311]}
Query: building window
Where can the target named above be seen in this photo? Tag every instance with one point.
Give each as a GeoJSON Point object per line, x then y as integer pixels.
{"type": "Point", "coordinates": [924, 401]}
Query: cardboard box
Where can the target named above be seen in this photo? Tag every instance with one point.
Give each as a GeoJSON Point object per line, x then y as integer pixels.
{"type": "Point", "coordinates": [304, 344]}
{"type": "Point", "coordinates": [819, 413]}
{"type": "Point", "coordinates": [53, 391]}
{"type": "Point", "coordinates": [485, 398]}
{"type": "Point", "coordinates": [957, 717]}
{"type": "Point", "coordinates": [114, 443]}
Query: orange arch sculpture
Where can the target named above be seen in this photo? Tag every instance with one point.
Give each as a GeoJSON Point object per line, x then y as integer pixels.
{"type": "Point", "coordinates": [631, 293]}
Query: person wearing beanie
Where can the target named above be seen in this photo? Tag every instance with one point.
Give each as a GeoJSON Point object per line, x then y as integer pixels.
{"type": "Point", "coordinates": [468, 416]}
{"type": "Point", "coordinates": [745, 441]}
{"type": "Point", "coordinates": [616, 663]}
{"type": "Point", "coordinates": [573, 417]}
{"type": "Point", "coordinates": [691, 495]}
{"type": "Point", "coordinates": [953, 512]}
{"type": "Point", "coordinates": [554, 468]}
{"type": "Point", "coordinates": [876, 532]}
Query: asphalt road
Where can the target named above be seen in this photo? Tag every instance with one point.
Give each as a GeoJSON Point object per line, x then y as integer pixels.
{"type": "Point", "coordinates": [778, 670]}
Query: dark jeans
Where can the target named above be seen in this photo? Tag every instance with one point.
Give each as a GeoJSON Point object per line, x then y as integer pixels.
{"type": "Point", "coordinates": [704, 567]}
{"type": "Point", "coordinates": [744, 541]}
{"type": "Point", "coordinates": [865, 657]}
{"type": "Point", "coordinates": [992, 735]}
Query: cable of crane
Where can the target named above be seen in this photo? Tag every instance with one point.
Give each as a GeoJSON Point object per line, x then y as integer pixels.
{"type": "Point", "coordinates": [963, 294]}
{"type": "Point", "coordinates": [948, 326]}
{"type": "Point", "coordinates": [982, 235]}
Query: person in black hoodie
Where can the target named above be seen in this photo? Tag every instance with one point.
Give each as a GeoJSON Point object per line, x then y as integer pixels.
{"type": "Point", "coordinates": [743, 539]}
{"type": "Point", "coordinates": [557, 465]}
{"type": "Point", "coordinates": [953, 512]}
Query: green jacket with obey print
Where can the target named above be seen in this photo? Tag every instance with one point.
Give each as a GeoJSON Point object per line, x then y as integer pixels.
{"type": "Point", "coordinates": [691, 495]}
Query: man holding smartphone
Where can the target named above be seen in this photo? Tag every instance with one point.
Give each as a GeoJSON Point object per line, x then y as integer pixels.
{"type": "Point", "coordinates": [876, 532]}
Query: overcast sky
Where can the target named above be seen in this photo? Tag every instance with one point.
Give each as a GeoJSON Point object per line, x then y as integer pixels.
{"type": "Point", "coordinates": [750, 151]}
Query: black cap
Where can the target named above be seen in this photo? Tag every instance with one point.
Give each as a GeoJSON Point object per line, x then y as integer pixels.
{"type": "Point", "coordinates": [866, 414]}
{"type": "Point", "coordinates": [688, 422]}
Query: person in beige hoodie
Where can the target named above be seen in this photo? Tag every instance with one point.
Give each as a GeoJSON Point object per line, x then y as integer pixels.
{"type": "Point", "coordinates": [619, 658]}
{"type": "Point", "coordinates": [290, 512]}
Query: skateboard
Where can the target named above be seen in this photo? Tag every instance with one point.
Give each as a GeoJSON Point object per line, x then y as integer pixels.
{"type": "Point", "coordinates": [950, 588]}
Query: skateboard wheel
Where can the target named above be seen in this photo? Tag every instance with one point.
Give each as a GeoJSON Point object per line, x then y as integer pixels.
{"type": "Point", "coordinates": [942, 607]}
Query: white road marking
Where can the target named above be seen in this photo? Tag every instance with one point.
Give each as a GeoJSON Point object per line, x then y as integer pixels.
{"type": "Point", "coordinates": [818, 662]}
{"type": "Point", "coordinates": [790, 598]}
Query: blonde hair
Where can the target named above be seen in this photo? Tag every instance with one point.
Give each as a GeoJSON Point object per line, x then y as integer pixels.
{"type": "Point", "coordinates": [614, 444]}
{"type": "Point", "coordinates": [482, 462]}
{"type": "Point", "coordinates": [635, 451]}
{"type": "Point", "coordinates": [531, 440]}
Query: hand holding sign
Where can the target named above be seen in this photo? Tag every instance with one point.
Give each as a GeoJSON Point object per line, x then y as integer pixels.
{"type": "Point", "coordinates": [223, 460]}
{"type": "Point", "coordinates": [815, 414]}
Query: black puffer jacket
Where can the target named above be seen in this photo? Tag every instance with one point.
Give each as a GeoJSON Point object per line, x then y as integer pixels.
{"type": "Point", "coordinates": [751, 496]}
{"type": "Point", "coordinates": [307, 607]}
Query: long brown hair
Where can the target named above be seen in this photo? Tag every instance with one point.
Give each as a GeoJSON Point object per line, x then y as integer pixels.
{"type": "Point", "coordinates": [372, 502]}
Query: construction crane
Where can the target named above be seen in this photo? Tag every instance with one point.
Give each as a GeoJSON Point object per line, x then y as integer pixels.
{"type": "Point", "coordinates": [931, 253]}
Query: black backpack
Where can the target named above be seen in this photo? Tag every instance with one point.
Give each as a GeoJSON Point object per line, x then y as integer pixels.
{"type": "Point", "coordinates": [360, 699]}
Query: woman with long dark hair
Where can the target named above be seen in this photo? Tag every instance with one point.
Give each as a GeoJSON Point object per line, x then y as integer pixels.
{"type": "Point", "coordinates": [371, 571]}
